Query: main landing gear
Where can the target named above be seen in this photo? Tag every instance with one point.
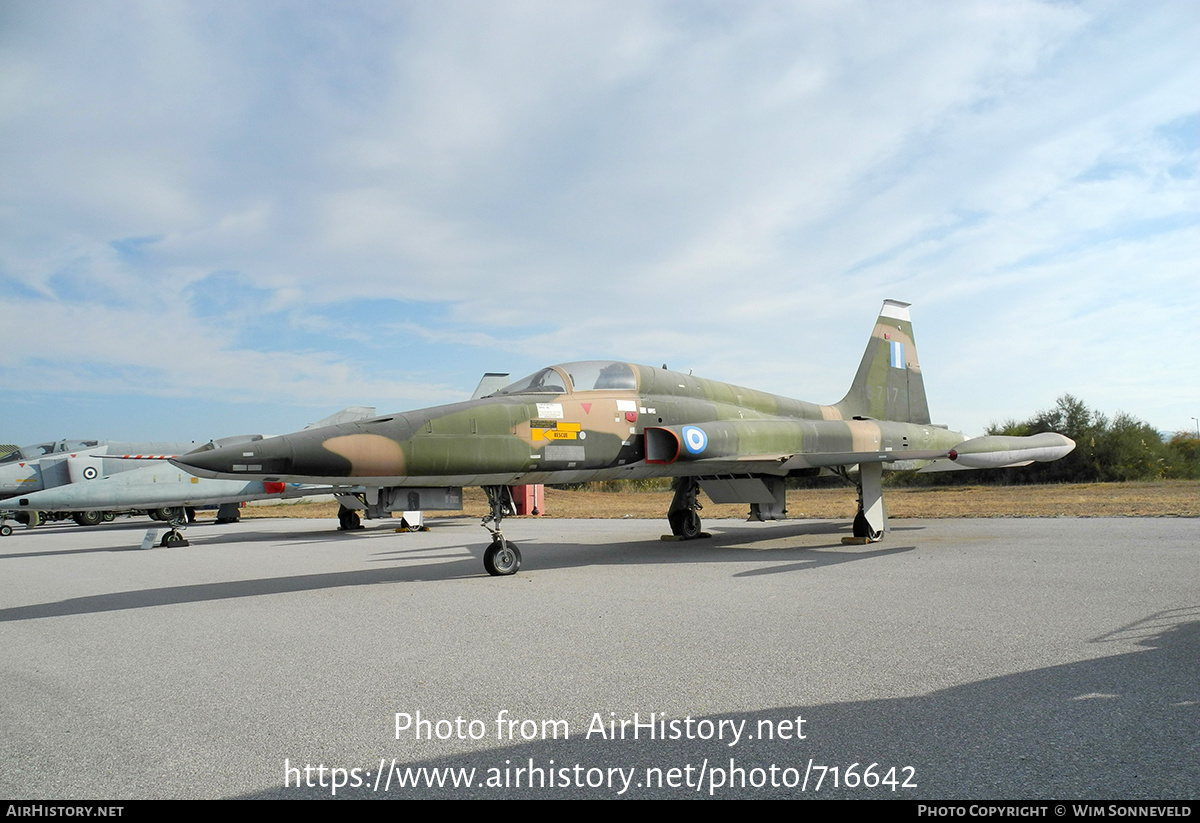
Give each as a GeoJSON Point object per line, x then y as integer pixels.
{"type": "Point", "coordinates": [502, 557]}
{"type": "Point", "coordinates": [870, 521]}
{"type": "Point", "coordinates": [348, 519]}
{"type": "Point", "coordinates": [684, 513]}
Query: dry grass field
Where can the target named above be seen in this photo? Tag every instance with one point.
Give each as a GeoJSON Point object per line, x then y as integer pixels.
{"type": "Point", "coordinates": [1167, 498]}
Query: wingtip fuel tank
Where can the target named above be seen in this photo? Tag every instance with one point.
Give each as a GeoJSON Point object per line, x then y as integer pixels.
{"type": "Point", "coordinates": [1006, 451]}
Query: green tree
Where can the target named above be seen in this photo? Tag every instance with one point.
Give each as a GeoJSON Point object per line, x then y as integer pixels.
{"type": "Point", "coordinates": [1183, 456]}
{"type": "Point", "coordinates": [1070, 416]}
{"type": "Point", "coordinates": [1123, 448]}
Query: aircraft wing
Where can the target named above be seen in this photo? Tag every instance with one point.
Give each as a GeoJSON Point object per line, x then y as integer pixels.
{"type": "Point", "coordinates": [716, 447]}
{"type": "Point", "coordinates": [824, 459]}
{"type": "Point", "coordinates": [729, 445]}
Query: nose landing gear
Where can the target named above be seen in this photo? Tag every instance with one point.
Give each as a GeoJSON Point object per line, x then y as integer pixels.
{"type": "Point", "coordinates": [502, 557]}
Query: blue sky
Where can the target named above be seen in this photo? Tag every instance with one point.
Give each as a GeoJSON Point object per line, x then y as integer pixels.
{"type": "Point", "coordinates": [224, 218]}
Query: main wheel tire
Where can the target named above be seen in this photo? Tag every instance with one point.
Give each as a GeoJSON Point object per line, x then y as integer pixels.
{"type": "Point", "coordinates": [685, 524]}
{"type": "Point", "coordinates": [88, 518]}
{"type": "Point", "coordinates": [109, 517]}
{"type": "Point", "coordinates": [862, 528]}
{"type": "Point", "coordinates": [348, 519]}
{"type": "Point", "coordinates": [502, 558]}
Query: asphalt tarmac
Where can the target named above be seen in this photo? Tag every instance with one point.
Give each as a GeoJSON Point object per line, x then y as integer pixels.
{"type": "Point", "coordinates": [973, 659]}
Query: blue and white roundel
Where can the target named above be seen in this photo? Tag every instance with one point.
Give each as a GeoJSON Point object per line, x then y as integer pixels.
{"type": "Point", "coordinates": [694, 439]}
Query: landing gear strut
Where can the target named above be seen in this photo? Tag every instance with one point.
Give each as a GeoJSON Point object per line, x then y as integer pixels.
{"type": "Point", "coordinates": [684, 513]}
{"type": "Point", "coordinates": [502, 557]}
{"type": "Point", "coordinates": [870, 521]}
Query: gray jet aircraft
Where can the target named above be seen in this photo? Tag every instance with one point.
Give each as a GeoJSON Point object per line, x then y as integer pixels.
{"type": "Point", "coordinates": [111, 478]}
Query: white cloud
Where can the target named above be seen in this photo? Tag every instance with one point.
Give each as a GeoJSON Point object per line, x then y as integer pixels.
{"type": "Point", "coordinates": [733, 188]}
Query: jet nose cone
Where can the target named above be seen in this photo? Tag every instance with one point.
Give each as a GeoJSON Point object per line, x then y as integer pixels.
{"type": "Point", "coordinates": [272, 456]}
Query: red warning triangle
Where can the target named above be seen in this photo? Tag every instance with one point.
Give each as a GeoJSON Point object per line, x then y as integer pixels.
{"type": "Point", "coordinates": [587, 408]}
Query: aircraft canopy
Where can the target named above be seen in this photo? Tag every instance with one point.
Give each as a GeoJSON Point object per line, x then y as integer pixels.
{"type": "Point", "coordinates": [583, 375]}
{"type": "Point", "coordinates": [43, 449]}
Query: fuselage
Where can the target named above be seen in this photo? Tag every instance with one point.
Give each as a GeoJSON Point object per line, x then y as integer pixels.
{"type": "Point", "coordinates": [149, 487]}
{"type": "Point", "coordinates": [575, 422]}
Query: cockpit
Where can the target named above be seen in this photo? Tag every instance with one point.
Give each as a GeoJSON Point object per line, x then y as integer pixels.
{"type": "Point", "coordinates": [43, 449]}
{"type": "Point", "coordinates": [581, 376]}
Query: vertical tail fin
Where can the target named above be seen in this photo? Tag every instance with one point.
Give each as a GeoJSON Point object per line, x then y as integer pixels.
{"type": "Point", "coordinates": [888, 385]}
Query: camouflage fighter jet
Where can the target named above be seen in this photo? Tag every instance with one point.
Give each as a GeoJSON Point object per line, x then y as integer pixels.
{"type": "Point", "coordinates": [605, 420]}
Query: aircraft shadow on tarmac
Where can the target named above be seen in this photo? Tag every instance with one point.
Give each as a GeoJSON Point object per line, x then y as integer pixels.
{"type": "Point", "coordinates": [22, 537]}
{"type": "Point", "coordinates": [731, 542]}
{"type": "Point", "coordinates": [61, 552]}
{"type": "Point", "coordinates": [1120, 726]}
{"type": "Point", "coordinates": [734, 545]}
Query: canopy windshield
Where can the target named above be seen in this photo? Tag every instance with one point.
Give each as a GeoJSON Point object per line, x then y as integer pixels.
{"type": "Point", "coordinates": [546, 381]}
{"type": "Point", "coordinates": [584, 375]}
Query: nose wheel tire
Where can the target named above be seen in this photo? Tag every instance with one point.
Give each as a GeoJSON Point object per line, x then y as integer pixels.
{"type": "Point", "coordinates": [172, 540]}
{"type": "Point", "coordinates": [502, 558]}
